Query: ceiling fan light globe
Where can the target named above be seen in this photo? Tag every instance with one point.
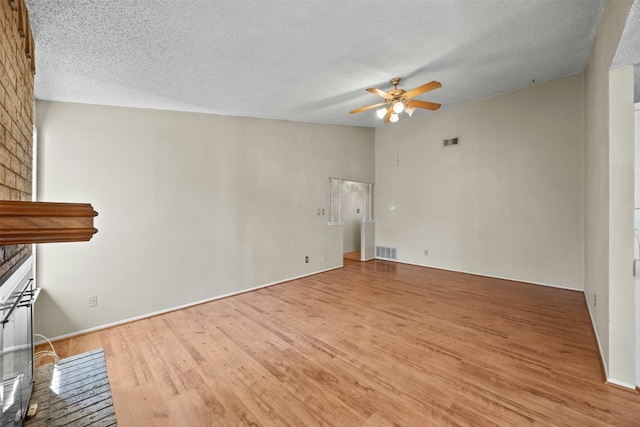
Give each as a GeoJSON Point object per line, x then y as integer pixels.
{"type": "Point", "coordinates": [381, 113]}
{"type": "Point", "coordinates": [393, 118]}
{"type": "Point", "coordinates": [398, 107]}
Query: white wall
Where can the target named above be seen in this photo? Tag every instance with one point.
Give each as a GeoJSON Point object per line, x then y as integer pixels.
{"type": "Point", "coordinates": [508, 201]}
{"type": "Point", "coordinates": [608, 230]}
{"type": "Point", "coordinates": [191, 206]}
{"type": "Point", "coordinates": [351, 202]}
{"type": "Point", "coordinates": [637, 225]}
{"type": "Point", "coordinates": [621, 238]}
{"type": "Point", "coordinates": [637, 163]}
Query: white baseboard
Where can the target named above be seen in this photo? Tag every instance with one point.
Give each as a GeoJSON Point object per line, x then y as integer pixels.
{"type": "Point", "coordinates": [604, 365]}
{"type": "Point", "coordinates": [179, 307]}
{"type": "Point", "coordinates": [595, 331]}
{"type": "Point", "coordinates": [484, 275]}
{"type": "Point", "coordinates": [620, 383]}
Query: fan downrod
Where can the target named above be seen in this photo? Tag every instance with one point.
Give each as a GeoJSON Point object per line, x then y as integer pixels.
{"type": "Point", "coordinates": [396, 93]}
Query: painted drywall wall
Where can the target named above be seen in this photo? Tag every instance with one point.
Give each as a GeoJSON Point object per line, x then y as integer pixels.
{"type": "Point", "coordinates": [506, 202]}
{"type": "Point", "coordinates": [621, 256]}
{"type": "Point", "coordinates": [637, 164]}
{"type": "Point", "coordinates": [637, 228]}
{"type": "Point", "coordinates": [598, 174]}
{"type": "Point", "coordinates": [351, 204]}
{"type": "Point", "coordinates": [191, 206]}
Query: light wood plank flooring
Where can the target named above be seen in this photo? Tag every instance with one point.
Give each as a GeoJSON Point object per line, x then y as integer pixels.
{"type": "Point", "coordinates": [354, 256]}
{"type": "Point", "coordinates": [372, 344]}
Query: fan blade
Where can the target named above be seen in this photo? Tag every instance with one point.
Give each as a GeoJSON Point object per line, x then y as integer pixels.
{"type": "Point", "coordinates": [423, 104]}
{"type": "Point", "coordinates": [422, 89]}
{"type": "Point", "coordinates": [387, 117]}
{"type": "Point", "coordinates": [379, 92]}
{"type": "Point", "coordinates": [360, 110]}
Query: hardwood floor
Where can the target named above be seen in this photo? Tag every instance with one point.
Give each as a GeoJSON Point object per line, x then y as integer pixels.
{"type": "Point", "coordinates": [354, 256]}
{"type": "Point", "coordinates": [372, 344]}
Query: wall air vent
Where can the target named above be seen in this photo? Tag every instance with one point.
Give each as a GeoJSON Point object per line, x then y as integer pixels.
{"type": "Point", "coordinates": [452, 141]}
{"type": "Point", "coordinates": [385, 252]}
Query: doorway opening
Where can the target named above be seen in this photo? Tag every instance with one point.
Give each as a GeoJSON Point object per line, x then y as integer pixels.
{"type": "Point", "coordinates": [351, 206]}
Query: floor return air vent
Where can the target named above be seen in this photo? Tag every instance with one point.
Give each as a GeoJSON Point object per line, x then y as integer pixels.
{"type": "Point", "coordinates": [385, 252]}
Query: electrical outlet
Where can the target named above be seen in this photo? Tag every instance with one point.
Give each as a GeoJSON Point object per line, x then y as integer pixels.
{"type": "Point", "coordinates": [324, 258]}
{"type": "Point", "coordinates": [595, 300]}
{"type": "Point", "coordinates": [306, 260]}
{"type": "Point", "coordinates": [426, 252]}
{"type": "Point", "coordinates": [93, 301]}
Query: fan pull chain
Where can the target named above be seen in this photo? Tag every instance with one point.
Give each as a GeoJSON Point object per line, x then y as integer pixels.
{"type": "Point", "coordinates": [397, 145]}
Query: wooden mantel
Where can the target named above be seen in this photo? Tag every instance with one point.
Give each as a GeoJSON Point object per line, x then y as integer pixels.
{"type": "Point", "coordinates": [42, 222]}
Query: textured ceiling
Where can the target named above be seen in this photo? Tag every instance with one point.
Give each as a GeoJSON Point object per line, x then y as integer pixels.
{"type": "Point", "coordinates": [301, 60]}
{"type": "Point", "coordinates": [628, 52]}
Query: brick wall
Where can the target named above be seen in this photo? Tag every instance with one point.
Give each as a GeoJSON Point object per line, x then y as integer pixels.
{"type": "Point", "coordinates": [16, 114]}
